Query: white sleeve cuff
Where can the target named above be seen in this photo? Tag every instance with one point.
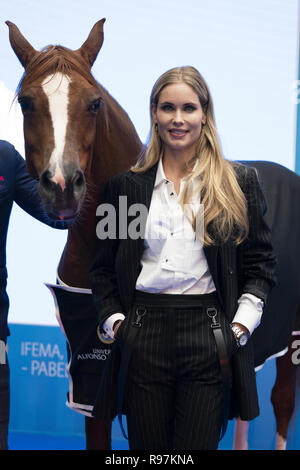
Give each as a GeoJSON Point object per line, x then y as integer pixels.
{"type": "Point", "coordinates": [109, 323]}
{"type": "Point", "coordinates": [249, 311]}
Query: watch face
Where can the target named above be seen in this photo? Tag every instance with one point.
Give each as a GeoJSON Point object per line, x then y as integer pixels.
{"type": "Point", "coordinates": [243, 340]}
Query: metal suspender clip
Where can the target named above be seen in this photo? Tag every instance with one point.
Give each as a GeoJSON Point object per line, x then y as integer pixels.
{"type": "Point", "coordinates": [212, 313]}
{"type": "Point", "coordinates": [140, 312]}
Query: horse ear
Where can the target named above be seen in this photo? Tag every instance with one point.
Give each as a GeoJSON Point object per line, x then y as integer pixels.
{"type": "Point", "coordinates": [91, 47]}
{"type": "Point", "coordinates": [22, 48]}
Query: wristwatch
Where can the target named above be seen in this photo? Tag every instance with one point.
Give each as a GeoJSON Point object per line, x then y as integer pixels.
{"type": "Point", "coordinates": [240, 336]}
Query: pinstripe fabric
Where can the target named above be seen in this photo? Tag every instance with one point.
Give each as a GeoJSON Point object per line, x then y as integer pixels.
{"type": "Point", "coordinates": [174, 393]}
{"type": "Point", "coordinates": [235, 270]}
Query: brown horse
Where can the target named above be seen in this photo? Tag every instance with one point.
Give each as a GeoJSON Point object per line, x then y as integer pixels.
{"type": "Point", "coordinates": [76, 137]}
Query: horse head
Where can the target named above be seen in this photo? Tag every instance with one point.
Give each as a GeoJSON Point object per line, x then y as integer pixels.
{"type": "Point", "coordinates": [59, 99]}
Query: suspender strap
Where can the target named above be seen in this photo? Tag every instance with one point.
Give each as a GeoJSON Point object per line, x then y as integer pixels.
{"type": "Point", "coordinates": [224, 366]}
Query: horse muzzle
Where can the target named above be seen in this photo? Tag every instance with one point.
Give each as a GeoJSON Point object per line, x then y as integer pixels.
{"type": "Point", "coordinates": [62, 195]}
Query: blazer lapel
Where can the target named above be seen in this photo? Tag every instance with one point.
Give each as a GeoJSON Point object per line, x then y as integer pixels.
{"type": "Point", "coordinates": [145, 183]}
{"type": "Point", "coordinates": [139, 190]}
{"type": "Point", "coordinates": [211, 254]}
{"type": "Point", "coordinates": [143, 189]}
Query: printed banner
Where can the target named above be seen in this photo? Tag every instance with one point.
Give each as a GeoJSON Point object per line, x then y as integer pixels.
{"type": "Point", "coordinates": [39, 384]}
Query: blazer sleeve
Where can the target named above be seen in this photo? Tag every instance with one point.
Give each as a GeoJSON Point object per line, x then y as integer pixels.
{"type": "Point", "coordinates": [258, 258]}
{"type": "Point", "coordinates": [27, 196]}
{"type": "Point", "coordinates": [103, 276]}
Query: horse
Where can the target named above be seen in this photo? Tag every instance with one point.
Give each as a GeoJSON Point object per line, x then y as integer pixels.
{"type": "Point", "coordinates": [76, 137]}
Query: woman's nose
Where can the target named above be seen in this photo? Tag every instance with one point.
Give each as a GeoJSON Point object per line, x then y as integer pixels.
{"type": "Point", "coordinates": [178, 118]}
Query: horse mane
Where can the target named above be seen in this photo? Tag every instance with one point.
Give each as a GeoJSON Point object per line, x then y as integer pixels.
{"type": "Point", "coordinates": [51, 60]}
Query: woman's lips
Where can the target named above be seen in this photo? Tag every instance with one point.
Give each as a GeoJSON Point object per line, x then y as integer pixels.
{"type": "Point", "coordinates": [178, 133]}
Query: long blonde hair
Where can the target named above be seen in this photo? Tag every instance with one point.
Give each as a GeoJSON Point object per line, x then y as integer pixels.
{"type": "Point", "coordinates": [225, 207]}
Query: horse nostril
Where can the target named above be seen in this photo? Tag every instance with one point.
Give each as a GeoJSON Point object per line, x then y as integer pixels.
{"type": "Point", "coordinates": [45, 181]}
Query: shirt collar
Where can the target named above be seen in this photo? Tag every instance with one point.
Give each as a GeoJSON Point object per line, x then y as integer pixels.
{"type": "Point", "coordinates": [160, 174]}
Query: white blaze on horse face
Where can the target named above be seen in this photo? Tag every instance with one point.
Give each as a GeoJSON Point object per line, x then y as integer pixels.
{"type": "Point", "coordinates": [56, 87]}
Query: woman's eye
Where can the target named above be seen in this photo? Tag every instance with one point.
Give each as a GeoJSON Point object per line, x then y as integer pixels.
{"type": "Point", "coordinates": [189, 108]}
{"type": "Point", "coordinates": [26, 104]}
{"type": "Point", "coordinates": [93, 108]}
{"type": "Point", "coordinates": [166, 107]}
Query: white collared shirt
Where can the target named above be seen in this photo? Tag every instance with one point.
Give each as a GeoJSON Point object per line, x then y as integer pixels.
{"type": "Point", "coordinates": [173, 260]}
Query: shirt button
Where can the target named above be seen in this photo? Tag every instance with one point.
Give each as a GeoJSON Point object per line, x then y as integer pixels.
{"type": "Point", "coordinates": [171, 194]}
{"type": "Point", "coordinates": [166, 260]}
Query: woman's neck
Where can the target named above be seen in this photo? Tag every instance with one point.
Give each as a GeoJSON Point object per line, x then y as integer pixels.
{"type": "Point", "coordinates": [175, 165]}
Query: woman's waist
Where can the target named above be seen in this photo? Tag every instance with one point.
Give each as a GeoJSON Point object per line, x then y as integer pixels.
{"type": "Point", "coordinates": [174, 300]}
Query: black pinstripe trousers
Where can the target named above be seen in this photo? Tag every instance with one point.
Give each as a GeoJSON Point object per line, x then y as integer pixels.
{"type": "Point", "coordinates": [174, 394]}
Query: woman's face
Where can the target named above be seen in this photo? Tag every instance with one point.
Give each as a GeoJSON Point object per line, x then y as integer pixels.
{"type": "Point", "coordinates": [179, 117]}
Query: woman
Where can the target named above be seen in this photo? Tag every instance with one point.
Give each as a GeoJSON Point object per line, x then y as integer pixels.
{"type": "Point", "coordinates": [183, 298]}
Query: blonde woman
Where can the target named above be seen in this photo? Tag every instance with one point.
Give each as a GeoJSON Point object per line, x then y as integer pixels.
{"type": "Point", "coordinates": [182, 293]}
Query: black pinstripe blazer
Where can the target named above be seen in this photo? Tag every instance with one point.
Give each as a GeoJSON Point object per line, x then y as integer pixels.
{"type": "Point", "coordinates": [247, 268]}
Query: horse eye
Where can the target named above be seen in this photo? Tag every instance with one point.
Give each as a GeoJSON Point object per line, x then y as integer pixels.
{"type": "Point", "coordinates": [26, 104]}
{"type": "Point", "coordinates": [93, 108]}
